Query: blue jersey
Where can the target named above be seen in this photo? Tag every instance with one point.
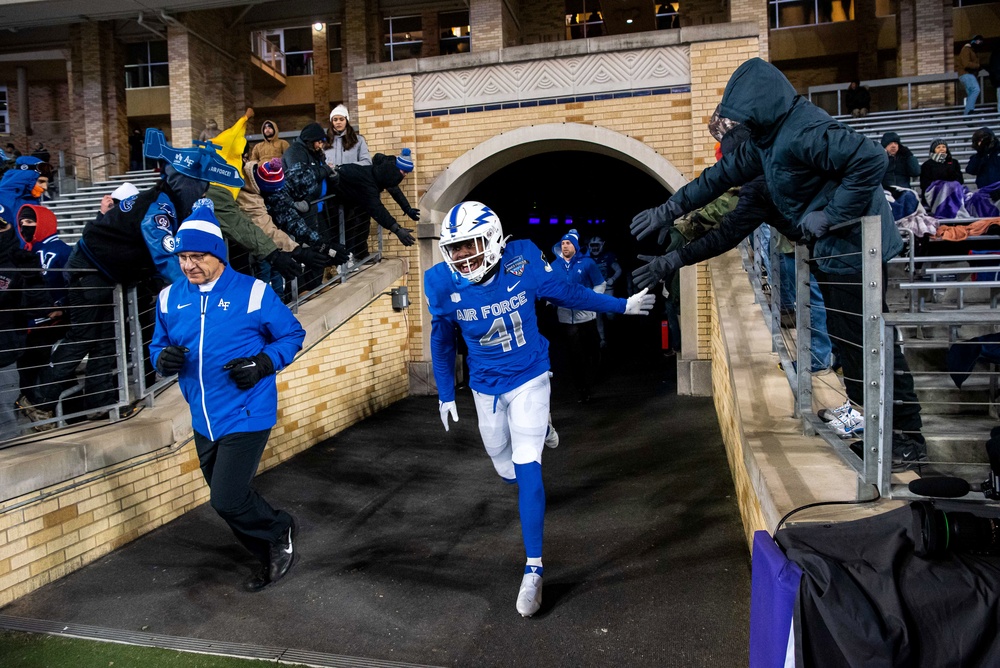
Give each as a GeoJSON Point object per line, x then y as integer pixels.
{"type": "Point", "coordinates": [498, 320]}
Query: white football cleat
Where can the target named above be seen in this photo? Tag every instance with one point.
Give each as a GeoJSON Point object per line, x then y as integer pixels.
{"type": "Point", "coordinates": [529, 597]}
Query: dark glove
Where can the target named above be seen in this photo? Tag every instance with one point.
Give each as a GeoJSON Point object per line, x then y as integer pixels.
{"type": "Point", "coordinates": [405, 235]}
{"type": "Point", "coordinates": [171, 360]}
{"type": "Point", "coordinates": [414, 214]}
{"type": "Point", "coordinates": [338, 254]}
{"type": "Point", "coordinates": [248, 371]}
{"type": "Point", "coordinates": [657, 269]}
{"type": "Point", "coordinates": [311, 257]}
{"type": "Point", "coordinates": [815, 224]}
{"type": "Point", "coordinates": [284, 264]}
{"type": "Point", "coordinates": [301, 206]}
{"type": "Point", "coordinates": [659, 218]}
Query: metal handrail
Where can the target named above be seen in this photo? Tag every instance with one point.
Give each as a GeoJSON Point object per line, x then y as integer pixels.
{"type": "Point", "coordinates": [896, 82]}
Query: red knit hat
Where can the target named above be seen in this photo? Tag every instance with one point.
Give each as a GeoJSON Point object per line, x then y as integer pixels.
{"type": "Point", "coordinates": [270, 176]}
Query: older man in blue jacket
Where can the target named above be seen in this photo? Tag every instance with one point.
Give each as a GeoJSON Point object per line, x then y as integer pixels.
{"type": "Point", "coordinates": [822, 176]}
{"type": "Point", "coordinates": [225, 335]}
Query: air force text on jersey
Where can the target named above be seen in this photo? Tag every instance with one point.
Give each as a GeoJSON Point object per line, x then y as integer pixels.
{"type": "Point", "coordinates": [495, 309]}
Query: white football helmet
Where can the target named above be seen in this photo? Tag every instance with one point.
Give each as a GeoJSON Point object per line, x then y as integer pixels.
{"type": "Point", "coordinates": [471, 240]}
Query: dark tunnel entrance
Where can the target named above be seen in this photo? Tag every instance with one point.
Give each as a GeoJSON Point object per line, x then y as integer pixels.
{"type": "Point", "coordinates": [544, 196]}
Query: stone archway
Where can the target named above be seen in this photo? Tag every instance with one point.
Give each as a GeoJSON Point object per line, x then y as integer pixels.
{"type": "Point", "coordinates": [467, 171]}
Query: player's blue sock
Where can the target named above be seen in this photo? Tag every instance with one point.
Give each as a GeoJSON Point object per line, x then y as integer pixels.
{"type": "Point", "coordinates": [531, 500]}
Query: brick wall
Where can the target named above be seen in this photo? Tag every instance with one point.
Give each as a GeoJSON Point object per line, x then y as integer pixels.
{"type": "Point", "coordinates": [542, 21]}
{"type": "Point", "coordinates": [487, 25]}
{"type": "Point", "coordinates": [754, 11]}
{"type": "Point", "coordinates": [355, 371]}
{"type": "Point", "coordinates": [321, 75]}
{"type": "Point", "coordinates": [51, 117]}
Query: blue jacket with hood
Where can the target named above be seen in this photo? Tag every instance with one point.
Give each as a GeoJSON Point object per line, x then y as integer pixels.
{"type": "Point", "coordinates": [15, 191]}
{"type": "Point", "coordinates": [240, 317]}
{"type": "Point", "coordinates": [810, 161]}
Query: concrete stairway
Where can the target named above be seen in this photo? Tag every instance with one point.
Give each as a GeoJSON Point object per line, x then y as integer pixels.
{"type": "Point", "coordinates": [74, 210]}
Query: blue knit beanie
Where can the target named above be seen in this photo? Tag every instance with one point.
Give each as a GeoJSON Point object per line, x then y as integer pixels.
{"type": "Point", "coordinates": [574, 238]}
{"type": "Point", "coordinates": [201, 233]}
{"type": "Point", "coordinates": [404, 161]}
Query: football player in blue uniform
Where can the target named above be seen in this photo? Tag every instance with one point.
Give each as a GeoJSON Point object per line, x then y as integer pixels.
{"type": "Point", "coordinates": [485, 291]}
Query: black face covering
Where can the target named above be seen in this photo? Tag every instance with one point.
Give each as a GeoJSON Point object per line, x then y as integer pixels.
{"type": "Point", "coordinates": [28, 231]}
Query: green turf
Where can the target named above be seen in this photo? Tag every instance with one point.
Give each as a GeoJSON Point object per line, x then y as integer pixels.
{"type": "Point", "coordinates": [30, 650]}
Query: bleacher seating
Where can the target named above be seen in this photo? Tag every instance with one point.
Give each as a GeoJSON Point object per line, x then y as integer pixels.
{"type": "Point", "coordinates": [74, 210]}
{"type": "Point", "coordinates": [919, 127]}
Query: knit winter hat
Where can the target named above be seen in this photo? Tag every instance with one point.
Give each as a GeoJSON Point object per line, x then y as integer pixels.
{"type": "Point", "coordinates": [200, 232]}
{"type": "Point", "coordinates": [936, 143]}
{"type": "Point", "coordinates": [573, 237]}
{"type": "Point", "coordinates": [270, 176]}
{"type": "Point", "coordinates": [340, 110]}
{"type": "Point", "coordinates": [889, 138]}
{"type": "Point", "coordinates": [312, 132]}
{"type": "Point", "coordinates": [404, 161]}
{"type": "Point", "coordinates": [124, 191]}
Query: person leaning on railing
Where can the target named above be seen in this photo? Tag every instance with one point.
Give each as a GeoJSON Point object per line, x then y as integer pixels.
{"type": "Point", "coordinates": [822, 176]}
{"type": "Point", "coordinates": [125, 247]}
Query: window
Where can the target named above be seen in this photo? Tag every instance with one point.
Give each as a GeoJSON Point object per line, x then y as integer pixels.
{"type": "Point", "coordinates": [146, 64]}
{"type": "Point", "coordinates": [455, 31]}
{"type": "Point", "coordinates": [668, 16]}
{"type": "Point", "coordinates": [4, 117]}
{"type": "Point", "coordinates": [297, 46]}
{"type": "Point", "coordinates": [404, 38]}
{"type": "Point", "coordinates": [583, 19]}
{"type": "Point", "coordinates": [791, 13]}
{"type": "Point", "coordinates": [333, 37]}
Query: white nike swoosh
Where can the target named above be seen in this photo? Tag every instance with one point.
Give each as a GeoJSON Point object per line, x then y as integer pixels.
{"type": "Point", "coordinates": [250, 366]}
{"type": "Point", "coordinates": [180, 306]}
{"type": "Point", "coordinates": [513, 286]}
{"type": "Point", "coordinates": [289, 549]}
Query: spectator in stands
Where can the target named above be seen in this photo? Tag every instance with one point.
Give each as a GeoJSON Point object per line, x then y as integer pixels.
{"type": "Point", "coordinates": [135, 150]}
{"type": "Point", "coordinates": [12, 152]}
{"type": "Point", "coordinates": [346, 145]}
{"type": "Point", "coordinates": [36, 229]}
{"type": "Point", "coordinates": [211, 129]}
{"type": "Point", "coordinates": [123, 193]}
{"type": "Point", "coordinates": [902, 166]}
{"type": "Point", "coordinates": [26, 184]}
{"type": "Point", "coordinates": [15, 301]}
{"type": "Point", "coordinates": [579, 326]}
{"type": "Point", "coordinates": [858, 99]}
{"type": "Point", "coordinates": [363, 184]}
{"type": "Point", "coordinates": [226, 354]}
{"type": "Point", "coordinates": [985, 163]}
{"type": "Point", "coordinates": [308, 179]}
{"type": "Point", "coordinates": [236, 226]}
{"type": "Point", "coordinates": [41, 152]}
{"type": "Point", "coordinates": [941, 182]}
{"type": "Point", "coordinates": [124, 247]}
{"type": "Point", "coordinates": [270, 179]}
{"type": "Point", "coordinates": [836, 180]}
{"type": "Point", "coordinates": [967, 65]}
{"type": "Point", "coordinates": [272, 146]}
{"type": "Point", "coordinates": [6, 160]}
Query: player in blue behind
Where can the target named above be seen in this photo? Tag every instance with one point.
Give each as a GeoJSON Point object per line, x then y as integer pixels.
{"type": "Point", "coordinates": [485, 290]}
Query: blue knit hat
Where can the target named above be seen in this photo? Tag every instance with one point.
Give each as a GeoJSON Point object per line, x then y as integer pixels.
{"type": "Point", "coordinates": [573, 237]}
{"type": "Point", "coordinates": [404, 161]}
{"type": "Point", "coordinates": [200, 232]}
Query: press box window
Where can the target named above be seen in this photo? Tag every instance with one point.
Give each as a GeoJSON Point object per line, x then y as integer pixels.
{"type": "Point", "coordinates": [404, 38]}
{"type": "Point", "coordinates": [583, 19]}
{"type": "Point", "coordinates": [146, 64]}
{"type": "Point", "coordinates": [455, 32]}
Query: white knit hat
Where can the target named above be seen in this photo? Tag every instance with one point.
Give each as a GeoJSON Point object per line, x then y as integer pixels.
{"type": "Point", "coordinates": [124, 191]}
{"type": "Point", "coordinates": [340, 110]}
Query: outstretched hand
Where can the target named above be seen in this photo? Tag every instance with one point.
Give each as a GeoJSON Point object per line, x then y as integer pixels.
{"type": "Point", "coordinates": [640, 303]}
{"type": "Point", "coordinates": [660, 218]}
{"type": "Point", "coordinates": [657, 268]}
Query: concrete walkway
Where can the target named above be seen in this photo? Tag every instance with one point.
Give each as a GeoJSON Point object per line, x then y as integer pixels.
{"type": "Point", "coordinates": [411, 547]}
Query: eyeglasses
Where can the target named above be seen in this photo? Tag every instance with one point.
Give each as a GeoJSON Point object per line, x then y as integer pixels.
{"type": "Point", "coordinates": [193, 258]}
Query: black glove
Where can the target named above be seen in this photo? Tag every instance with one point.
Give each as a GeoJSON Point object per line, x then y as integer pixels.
{"type": "Point", "coordinates": [171, 360]}
{"type": "Point", "coordinates": [405, 235]}
{"type": "Point", "coordinates": [659, 218]}
{"type": "Point", "coordinates": [311, 257]}
{"type": "Point", "coordinates": [815, 224]}
{"type": "Point", "coordinates": [338, 254]}
{"type": "Point", "coordinates": [414, 214]}
{"type": "Point", "coordinates": [301, 206]}
{"type": "Point", "coordinates": [284, 264]}
{"type": "Point", "coordinates": [657, 269]}
{"type": "Point", "coordinates": [248, 371]}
